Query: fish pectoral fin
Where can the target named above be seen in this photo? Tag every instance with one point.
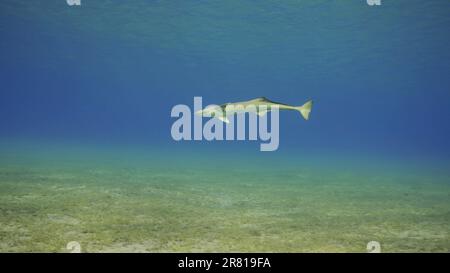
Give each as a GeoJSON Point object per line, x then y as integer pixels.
{"type": "Point", "coordinates": [224, 119]}
{"type": "Point", "coordinates": [262, 113]}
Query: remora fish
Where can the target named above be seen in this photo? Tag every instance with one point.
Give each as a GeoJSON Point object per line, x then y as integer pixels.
{"type": "Point", "coordinates": [259, 106]}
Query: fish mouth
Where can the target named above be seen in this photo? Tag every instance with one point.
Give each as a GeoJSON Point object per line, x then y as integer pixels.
{"type": "Point", "coordinates": [199, 113]}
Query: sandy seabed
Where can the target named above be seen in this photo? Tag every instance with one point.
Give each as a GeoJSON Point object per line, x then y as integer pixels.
{"type": "Point", "coordinates": [113, 209]}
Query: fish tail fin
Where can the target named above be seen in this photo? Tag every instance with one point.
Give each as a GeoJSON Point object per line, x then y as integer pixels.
{"type": "Point", "coordinates": [305, 109]}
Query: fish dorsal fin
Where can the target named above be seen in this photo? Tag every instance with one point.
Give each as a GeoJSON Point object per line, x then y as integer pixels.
{"type": "Point", "coordinates": [260, 99]}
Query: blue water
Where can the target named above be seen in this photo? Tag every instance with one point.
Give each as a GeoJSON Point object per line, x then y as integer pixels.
{"type": "Point", "coordinates": [104, 76]}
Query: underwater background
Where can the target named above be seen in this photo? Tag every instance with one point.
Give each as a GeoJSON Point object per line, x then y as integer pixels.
{"type": "Point", "coordinates": [86, 153]}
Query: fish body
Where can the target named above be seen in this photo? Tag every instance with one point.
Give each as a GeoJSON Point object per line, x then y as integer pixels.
{"type": "Point", "coordinates": [259, 106]}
